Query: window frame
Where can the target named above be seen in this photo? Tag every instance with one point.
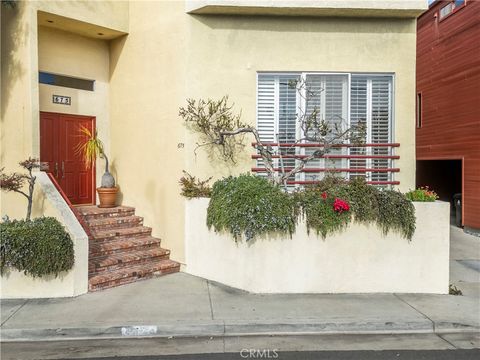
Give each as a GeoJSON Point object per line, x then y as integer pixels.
{"type": "Point", "coordinates": [454, 10]}
{"type": "Point", "coordinates": [419, 110]}
{"type": "Point", "coordinates": [302, 105]}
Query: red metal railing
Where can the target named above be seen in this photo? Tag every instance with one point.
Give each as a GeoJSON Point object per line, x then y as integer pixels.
{"type": "Point", "coordinates": [319, 145]}
{"type": "Point", "coordinates": [313, 170]}
{"type": "Point", "coordinates": [316, 170]}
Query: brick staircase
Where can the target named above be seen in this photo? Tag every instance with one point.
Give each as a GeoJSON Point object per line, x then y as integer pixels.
{"type": "Point", "coordinates": [121, 249]}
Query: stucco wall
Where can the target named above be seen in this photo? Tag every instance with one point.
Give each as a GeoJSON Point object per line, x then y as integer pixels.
{"type": "Point", "coordinates": [227, 52]}
{"type": "Point", "coordinates": [161, 64]}
{"type": "Point", "coordinates": [169, 56]}
{"type": "Point", "coordinates": [147, 85]}
{"type": "Point", "coordinates": [357, 260]}
{"type": "Point", "coordinates": [14, 284]}
{"type": "Point", "coordinates": [20, 105]}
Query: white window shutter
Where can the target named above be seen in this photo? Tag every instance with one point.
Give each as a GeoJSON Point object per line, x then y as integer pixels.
{"type": "Point", "coordinates": [380, 124]}
{"type": "Point", "coordinates": [287, 117]}
{"type": "Point", "coordinates": [336, 113]}
{"type": "Point", "coordinates": [266, 97]}
{"type": "Point", "coordinates": [358, 114]}
{"type": "Point", "coordinates": [328, 94]}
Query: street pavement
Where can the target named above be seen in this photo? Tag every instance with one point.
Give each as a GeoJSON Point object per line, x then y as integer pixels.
{"type": "Point", "coordinates": [192, 315]}
{"type": "Point", "coordinates": [326, 355]}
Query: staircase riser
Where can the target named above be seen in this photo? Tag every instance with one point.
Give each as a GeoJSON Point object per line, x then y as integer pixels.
{"type": "Point", "coordinates": [141, 254]}
{"type": "Point", "coordinates": [118, 266]}
{"type": "Point", "coordinates": [116, 225]}
{"type": "Point", "coordinates": [99, 240]}
{"type": "Point", "coordinates": [90, 217]}
{"type": "Point", "coordinates": [130, 279]}
{"type": "Point", "coordinates": [124, 250]}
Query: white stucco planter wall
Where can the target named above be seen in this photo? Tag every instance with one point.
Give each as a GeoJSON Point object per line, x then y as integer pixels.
{"type": "Point", "coordinates": [15, 284]}
{"type": "Point", "coordinates": [357, 260]}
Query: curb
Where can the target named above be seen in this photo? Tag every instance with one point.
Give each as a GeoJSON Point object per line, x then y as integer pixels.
{"type": "Point", "coordinates": [231, 329]}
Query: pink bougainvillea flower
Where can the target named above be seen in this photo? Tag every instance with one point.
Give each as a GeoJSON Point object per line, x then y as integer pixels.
{"type": "Point", "coordinates": [340, 205]}
{"type": "Point", "coordinates": [324, 195]}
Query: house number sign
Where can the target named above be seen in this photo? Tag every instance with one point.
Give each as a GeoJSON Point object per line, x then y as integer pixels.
{"type": "Point", "coordinates": [64, 100]}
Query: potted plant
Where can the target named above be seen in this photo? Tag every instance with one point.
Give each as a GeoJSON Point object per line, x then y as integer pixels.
{"type": "Point", "coordinates": [91, 148]}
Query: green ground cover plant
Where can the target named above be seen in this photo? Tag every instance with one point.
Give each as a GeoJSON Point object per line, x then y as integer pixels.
{"type": "Point", "coordinates": [395, 213]}
{"type": "Point", "coordinates": [38, 247]}
{"type": "Point", "coordinates": [250, 206]}
{"type": "Point", "coordinates": [318, 208]}
{"type": "Point", "coordinates": [389, 210]}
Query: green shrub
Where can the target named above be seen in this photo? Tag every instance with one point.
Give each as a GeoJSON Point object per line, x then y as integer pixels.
{"type": "Point", "coordinates": [250, 206]}
{"type": "Point", "coordinates": [421, 194]}
{"type": "Point", "coordinates": [389, 210]}
{"type": "Point", "coordinates": [361, 197]}
{"type": "Point", "coordinates": [329, 181]}
{"type": "Point", "coordinates": [193, 187]}
{"type": "Point", "coordinates": [37, 247]}
{"type": "Point", "coordinates": [395, 212]}
{"type": "Point", "coordinates": [319, 212]}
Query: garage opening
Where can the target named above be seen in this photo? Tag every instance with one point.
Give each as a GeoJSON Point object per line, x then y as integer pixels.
{"type": "Point", "coordinates": [442, 176]}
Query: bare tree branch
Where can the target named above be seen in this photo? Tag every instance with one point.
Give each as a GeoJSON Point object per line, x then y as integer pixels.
{"type": "Point", "coordinates": [219, 126]}
{"type": "Point", "coordinates": [15, 181]}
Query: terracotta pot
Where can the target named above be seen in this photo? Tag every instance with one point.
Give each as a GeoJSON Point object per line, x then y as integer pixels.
{"type": "Point", "coordinates": [107, 196]}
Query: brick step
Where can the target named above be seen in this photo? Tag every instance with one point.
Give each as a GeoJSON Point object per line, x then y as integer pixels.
{"type": "Point", "coordinates": [124, 245]}
{"type": "Point", "coordinates": [115, 223]}
{"type": "Point", "coordinates": [102, 235]}
{"type": "Point", "coordinates": [107, 263]}
{"type": "Point", "coordinates": [92, 212]}
{"type": "Point", "coordinates": [131, 274]}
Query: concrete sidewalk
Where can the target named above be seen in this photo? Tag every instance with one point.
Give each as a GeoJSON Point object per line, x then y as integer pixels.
{"type": "Point", "coordinates": [182, 305]}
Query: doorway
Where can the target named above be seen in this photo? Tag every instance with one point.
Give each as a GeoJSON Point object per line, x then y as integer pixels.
{"type": "Point", "coordinates": [442, 176]}
{"type": "Point", "coordinates": [59, 137]}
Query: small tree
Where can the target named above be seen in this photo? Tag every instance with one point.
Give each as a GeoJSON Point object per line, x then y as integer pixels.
{"type": "Point", "coordinates": [15, 181]}
{"type": "Point", "coordinates": [221, 128]}
{"type": "Point", "coordinates": [90, 148]}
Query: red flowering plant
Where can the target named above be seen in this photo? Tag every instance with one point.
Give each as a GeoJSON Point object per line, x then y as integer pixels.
{"type": "Point", "coordinates": [422, 194]}
{"type": "Point", "coordinates": [332, 204]}
{"type": "Point", "coordinates": [324, 210]}
{"type": "Point", "coordinates": [340, 205]}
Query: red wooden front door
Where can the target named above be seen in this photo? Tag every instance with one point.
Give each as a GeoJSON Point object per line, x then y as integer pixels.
{"type": "Point", "coordinates": [59, 137]}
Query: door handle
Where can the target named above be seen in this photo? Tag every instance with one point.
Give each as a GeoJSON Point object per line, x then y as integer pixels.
{"type": "Point", "coordinates": [56, 169]}
{"type": "Point", "coordinates": [63, 169]}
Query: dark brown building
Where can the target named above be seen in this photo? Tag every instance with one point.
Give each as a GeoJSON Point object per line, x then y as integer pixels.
{"type": "Point", "coordinates": [448, 103]}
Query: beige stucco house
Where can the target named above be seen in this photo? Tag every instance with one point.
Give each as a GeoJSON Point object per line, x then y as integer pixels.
{"type": "Point", "coordinates": [130, 65]}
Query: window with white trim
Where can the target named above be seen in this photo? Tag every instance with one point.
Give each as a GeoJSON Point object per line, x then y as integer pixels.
{"type": "Point", "coordinates": [344, 99]}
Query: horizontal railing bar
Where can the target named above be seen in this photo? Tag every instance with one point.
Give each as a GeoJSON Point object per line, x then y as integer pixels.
{"type": "Point", "coordinates": [314, 145]}
{"type": "Point", "coordinates": [313, 182]}
{"type": "Point", "coordinates": [286, 156]}
{"type": "Point", "coordinates": [314, 170]}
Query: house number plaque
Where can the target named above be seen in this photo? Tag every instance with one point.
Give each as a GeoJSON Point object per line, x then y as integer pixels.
{"type": "Point", "coordinates": [64, 100]}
